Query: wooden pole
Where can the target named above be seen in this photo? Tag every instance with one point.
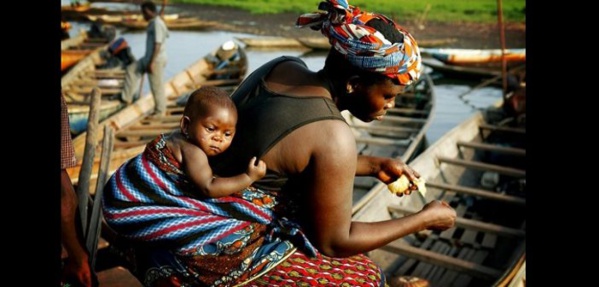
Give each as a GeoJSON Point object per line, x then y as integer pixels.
{"type": "Point", "coordinates": [502, 41]}
{"type": "Point", "coordinates": [88, 155]}
{"type": "Point", "coordinates": [95, 222]}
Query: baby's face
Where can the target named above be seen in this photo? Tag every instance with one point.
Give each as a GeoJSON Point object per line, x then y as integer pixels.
{"type": "Point", "coordinates": [214, 131]}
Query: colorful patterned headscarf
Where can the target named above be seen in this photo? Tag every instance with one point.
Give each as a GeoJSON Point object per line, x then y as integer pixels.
{"type": "Point", "coordinates": [364, 46]}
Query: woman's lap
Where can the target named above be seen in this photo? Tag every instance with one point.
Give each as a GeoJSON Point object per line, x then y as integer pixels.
{"type": "Point", "coordinates": [300, 270]}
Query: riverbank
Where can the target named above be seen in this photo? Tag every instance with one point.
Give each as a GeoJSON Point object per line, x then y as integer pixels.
{"type": "Point", "coordinates": [468, 35]}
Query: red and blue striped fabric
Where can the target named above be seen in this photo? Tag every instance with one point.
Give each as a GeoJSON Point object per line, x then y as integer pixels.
{"type": "Point", "coordinates": [150, 199]}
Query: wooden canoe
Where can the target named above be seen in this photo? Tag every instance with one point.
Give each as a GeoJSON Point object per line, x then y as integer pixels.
{"type": "Point", "coordinates": [401, 133]}
{"type": "Point", "coordinates": [478, 168]}
{"type": "Point", "coordinates": [76, 48]}
{"type": "Point", "coordinates": [77, 83]}
{"type": "Point", "coordinates": [322, 43]}
{"type": "Point", "coordinates": [474, 56]}
{"type": "Point", "coordinates": [117, 19]}
{"type": "Point", "coordinates": [179, 23]}
{"type": "Point", "coordinates": [317, 43]}
{"type": "Point", "coordinates": [270, 42]}
{"type": "Point", "coordinates": [457, 71]}
{"type": "Point", "coordinates": [133, 126]}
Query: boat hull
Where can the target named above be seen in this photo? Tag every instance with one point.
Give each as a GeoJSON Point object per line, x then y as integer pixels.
{"type": "Point", "coordinates": [479, 170]}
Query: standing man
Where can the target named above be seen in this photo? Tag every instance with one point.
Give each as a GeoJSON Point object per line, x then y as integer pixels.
{"type": "Point", "coordinates": [153, 62]}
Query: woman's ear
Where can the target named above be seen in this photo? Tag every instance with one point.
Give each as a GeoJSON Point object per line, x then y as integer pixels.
{"type": "Point", "coordinates": [351, 84]}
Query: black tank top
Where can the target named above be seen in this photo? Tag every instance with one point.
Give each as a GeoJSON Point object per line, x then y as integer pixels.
{"type": "Point", "coordinates": [265, 118]}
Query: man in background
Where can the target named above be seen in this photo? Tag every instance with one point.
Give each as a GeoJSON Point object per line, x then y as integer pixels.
{"type": "Point", "coordinates": [153, 62]}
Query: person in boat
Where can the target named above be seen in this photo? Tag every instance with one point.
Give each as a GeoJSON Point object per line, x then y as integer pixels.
{"type": "Point", "coordinates": [65, 26]}
{"type": "Point", "coordinates": [294, 225]}
{"type": "Point", "coordinates": [226, 54]}
{"type": "Point", "coordinates": [153, 62]}
{"type": "Point", "coordinates": [207, 128]}
{"type": "Point", "coordinates": [76, 270]}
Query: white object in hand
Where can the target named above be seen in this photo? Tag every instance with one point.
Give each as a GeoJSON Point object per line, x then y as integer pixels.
{"type": "Point", "coordinates": [402, 184]}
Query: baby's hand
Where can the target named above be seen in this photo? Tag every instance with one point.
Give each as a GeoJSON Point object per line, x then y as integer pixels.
{"type": "Point", "coordinates": [256, 171]}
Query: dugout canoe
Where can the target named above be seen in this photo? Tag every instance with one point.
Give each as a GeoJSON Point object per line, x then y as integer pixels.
{"type": "Point", "coordinates": [322, 43]}
{"type": "Point", "coordinates": [401, 133]}
{"type": "Point", "coordinates": [478, 168]}
{"type": "Point", "coordinates": [104, 67]}
{"type": "Point", "coordinates": [179, 23]}
{"type": "Point", "coordinates": [270, 42]}
{"type": "Point", "coordinates": [117, 19]}
{"type": "Point", "coordinates": [133, 126]}
{"type": "Point", "coordinates": [474, 56]}
{"type": "Point", "coordinates": [74, 49]}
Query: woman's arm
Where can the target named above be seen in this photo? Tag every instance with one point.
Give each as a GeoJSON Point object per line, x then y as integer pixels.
{"type": "Point", "coordinates": [330, 175]}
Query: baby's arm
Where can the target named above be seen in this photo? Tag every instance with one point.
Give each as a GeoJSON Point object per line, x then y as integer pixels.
{"type": "Point", "coordinates": [199, 171]}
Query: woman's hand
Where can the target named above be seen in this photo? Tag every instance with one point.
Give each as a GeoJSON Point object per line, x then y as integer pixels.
{"type": "Point", "coordinates": [391, 169]}
{"type": "Point", "coordinates": [439, 214]}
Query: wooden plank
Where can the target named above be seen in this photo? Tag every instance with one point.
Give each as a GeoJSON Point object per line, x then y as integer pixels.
{"type": "Point", "coordinates": [409, 263]}
{"type": "Point", "coordinates": [463, 279]}
{"type": "Point", "coordinates": [382, 141]}
{"type": "Point", "coordinates": [398, 119]}
{"type": "Point", "coordinates": [489, 240]}
{"type": "Point", "coordinates": [118, 277]}
{"type": "Point", "coordinates": [162, 119]}
{"type": "Point", "coordinates": [478, 192]}
{"type": "Point", "coordinates": [423, 269]}
{"type": "Point", "coordinates": [436, 274]}
{"type": "Point", "coordinates": [471, 224]}
{"type": "Point", "coordinates": [492, 147]}
{"type": "Point", "coordinates": [408, 111]}
{"type": "Point", "coordinates": [484, 166]}
{"type": "Point", "coordinates": [87, 90]}
{"type": "Point", "coordinates": [108, 72]}
{"type": "Point", "coordinates": [141, 133]}
{"type": "Point", "coordinates": [171, 126]}
{"type": "Point", "coordinates": [450, 275]}
{"type": "Point", "coordinates": [385, 128]}
{"type": "Point", "coordinates": [461, 266]}
{"type": "Point", "coordinates": [502, 129]}
{"type": "Point", "coordinates": [176, 109]}
{"type": "Point", "coordinates": [129, 144]}
{"type": "Point", "coordinates": [95, 82]}
{"type": "Point", "coordinates": [448, 233]}
{"type": "Point", "coordinates": [469, 237]}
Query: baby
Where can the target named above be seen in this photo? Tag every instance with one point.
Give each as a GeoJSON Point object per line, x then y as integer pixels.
{"type": "Point", "coordinates": [207, 129]}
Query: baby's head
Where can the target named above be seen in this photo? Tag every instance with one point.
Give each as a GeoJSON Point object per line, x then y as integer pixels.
{"type": "Point", "coordinates": [209, 120]}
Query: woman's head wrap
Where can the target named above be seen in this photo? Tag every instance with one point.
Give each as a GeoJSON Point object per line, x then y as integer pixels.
{"type": "Point", "coordinates": [363, 46]}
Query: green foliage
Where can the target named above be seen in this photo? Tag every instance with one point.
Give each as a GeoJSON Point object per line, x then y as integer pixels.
{"type": "Point", "coordinates": [440, 10]}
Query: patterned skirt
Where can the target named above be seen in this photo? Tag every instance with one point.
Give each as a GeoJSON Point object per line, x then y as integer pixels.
{"type": "Point", "coordinates": [297, 270]}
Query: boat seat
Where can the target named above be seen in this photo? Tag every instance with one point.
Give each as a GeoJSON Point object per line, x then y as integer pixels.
{"type": "Point", "coordinates": [478, 192]}
{"type": "Point", "coordinates": [492, 147]}
{"type": "Point", "coordinates": [483, 166]}
{"type": "Point", "coordinates": [502, 129]}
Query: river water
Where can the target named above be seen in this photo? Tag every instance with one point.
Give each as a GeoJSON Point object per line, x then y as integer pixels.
{"type": "Point", "coordinates": [452, 105]}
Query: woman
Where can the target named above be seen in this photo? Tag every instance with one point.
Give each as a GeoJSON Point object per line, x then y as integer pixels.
{"type": "Point", "coordinates": [294, 225]}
